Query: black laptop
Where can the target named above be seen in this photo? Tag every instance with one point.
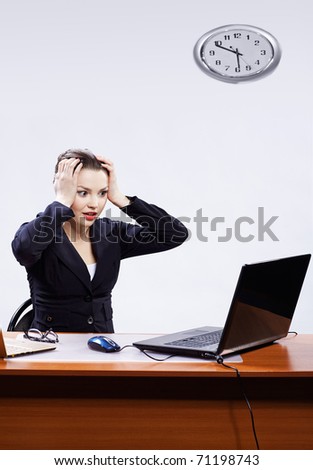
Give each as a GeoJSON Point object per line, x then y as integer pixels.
{"type": "Point", "coordinates": [261, 311]}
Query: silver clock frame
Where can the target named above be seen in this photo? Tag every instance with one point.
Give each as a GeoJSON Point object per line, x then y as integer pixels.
{"type": "Point", "coordinates": [269, 68]}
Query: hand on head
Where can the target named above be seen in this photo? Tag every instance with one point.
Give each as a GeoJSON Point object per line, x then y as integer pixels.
{"type": "Point", "coordinates": [65, 180]}
{"type": "Point", "coordinates": [114, 194]}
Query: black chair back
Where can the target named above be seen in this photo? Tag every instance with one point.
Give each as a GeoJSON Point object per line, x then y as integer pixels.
{"type": "Point", "coordinates": [22, 317]}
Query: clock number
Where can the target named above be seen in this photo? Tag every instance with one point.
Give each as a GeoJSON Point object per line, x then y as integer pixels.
{"type": "Point", "coordinates": [211, 52]}
{"type": "Point", "coordinates": [248, 37]}
{"type": "Point", "coordinates": [263, 52]}
{"type": "Point", "coordinates": [227, 37]}
{"type": "Point", "coordinates": [237, 69]}
{"type": "Point", "coordinates": [237, 35]}
{"type": "Point", "coordinates": [227, 67]}
{"type": "Point", "coordinates": [218, 62]}
{"type": "Point", "coordinates": [257, 62]}
{"type": "Point", "coordinates": [218, 43]}
{"type": "Point", "coordinates": [256, 42]}
{"type": "Point", "coordinates": [248, 67]}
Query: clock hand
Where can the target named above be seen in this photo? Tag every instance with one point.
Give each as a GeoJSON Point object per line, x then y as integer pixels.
{"type": "Point", "coordinates": [238, 60]}
{"type": "Point", "coordinates": [230, 50]}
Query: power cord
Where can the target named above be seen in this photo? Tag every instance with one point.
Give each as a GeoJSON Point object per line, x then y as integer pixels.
{"type": "Point", "coordinates": [221, 362]}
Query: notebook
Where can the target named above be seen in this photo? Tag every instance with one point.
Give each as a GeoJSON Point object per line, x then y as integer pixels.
{"type": "Point", "coordinates": [261, 312]}
{"type": "Point", "coordinates": [11, 347]}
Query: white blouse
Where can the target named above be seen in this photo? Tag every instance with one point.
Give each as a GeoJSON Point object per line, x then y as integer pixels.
{"type": "Point", "coordinates": [92, 269]}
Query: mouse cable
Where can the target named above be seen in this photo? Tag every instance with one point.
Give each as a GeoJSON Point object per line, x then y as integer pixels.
{"type": "Point", "coordinates": [157, 359]}
{"type": "Point", "coordinates": [220, 361]}
{"type": "Point", "coordinates": [146, 354]}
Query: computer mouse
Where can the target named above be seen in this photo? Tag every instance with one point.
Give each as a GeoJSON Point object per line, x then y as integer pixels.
{"type": "Point", "coordinates": [103, 344]}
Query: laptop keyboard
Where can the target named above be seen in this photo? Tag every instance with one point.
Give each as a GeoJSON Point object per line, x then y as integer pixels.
{"type": "Point", "coordinates": [16, 347]}
{"type": "Point", "coordinates": [13, 349]}
{"type": "Point", "coordinates": [199, 341]}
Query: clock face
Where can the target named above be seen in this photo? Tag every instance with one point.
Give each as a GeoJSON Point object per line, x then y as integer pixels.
{"type": "Point", "coordinates": [237, 53]}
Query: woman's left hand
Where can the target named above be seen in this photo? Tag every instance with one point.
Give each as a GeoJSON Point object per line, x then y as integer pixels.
{"type": "Point", "coordinates": [114, 194]}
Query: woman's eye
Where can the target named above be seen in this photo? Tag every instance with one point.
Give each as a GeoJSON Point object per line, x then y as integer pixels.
{"type": "Point", "coordinates": [82, 193]}
{"type": "Point", "coordinates": [103, 193]}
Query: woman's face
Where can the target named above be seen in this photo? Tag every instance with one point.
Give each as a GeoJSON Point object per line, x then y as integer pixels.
{"type": "Point", "coordinates": [91, 196]}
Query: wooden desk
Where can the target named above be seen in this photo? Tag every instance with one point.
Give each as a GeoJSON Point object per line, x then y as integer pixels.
{"type": "Point", "coordinates": [161, 405]}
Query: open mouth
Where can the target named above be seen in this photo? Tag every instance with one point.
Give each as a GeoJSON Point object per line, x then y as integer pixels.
{"type": "Point", "coordinates": [90, 215]}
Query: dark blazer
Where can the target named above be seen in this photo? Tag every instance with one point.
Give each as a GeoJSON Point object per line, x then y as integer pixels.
{"type": "Point", "coordinates": [64, 298]}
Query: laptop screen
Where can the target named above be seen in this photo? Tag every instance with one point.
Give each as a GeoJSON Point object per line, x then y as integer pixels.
{"type": "Point", "coordinates": [264, 302]}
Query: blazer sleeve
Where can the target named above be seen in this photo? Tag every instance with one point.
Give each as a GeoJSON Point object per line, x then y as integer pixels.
{"type": "Point", "coordinates": [33, 237]}
{"type": "Point", "coordinates": [155, 230]}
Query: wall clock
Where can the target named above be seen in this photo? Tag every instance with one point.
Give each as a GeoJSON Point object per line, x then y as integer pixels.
{"type": "Point", "coordinates": [237, 53]}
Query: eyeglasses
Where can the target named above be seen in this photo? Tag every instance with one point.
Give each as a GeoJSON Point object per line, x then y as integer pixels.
{"type": "Point", "coordinates": [35, 335]}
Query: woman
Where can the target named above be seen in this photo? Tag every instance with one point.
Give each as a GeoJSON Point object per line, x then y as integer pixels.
{"type": "Point", "coordinates": [72, 257]}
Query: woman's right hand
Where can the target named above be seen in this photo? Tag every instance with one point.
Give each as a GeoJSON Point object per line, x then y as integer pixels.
{"type": "Point", "coordinates": [65, 180]}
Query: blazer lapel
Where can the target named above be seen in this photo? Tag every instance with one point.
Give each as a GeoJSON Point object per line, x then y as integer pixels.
{"type": "Point", "coordinates": [65, 250]}
{"type": "Point", "coordinates": [103, 244]}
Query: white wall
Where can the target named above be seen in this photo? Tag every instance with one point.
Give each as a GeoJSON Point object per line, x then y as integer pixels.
{"type": "Point", "coordinates": [118, 77]}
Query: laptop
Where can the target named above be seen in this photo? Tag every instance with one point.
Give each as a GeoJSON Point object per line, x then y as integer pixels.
{"type": "Point", "coordinates": [261, 312]}
{"type": "Point", "coordinates": [11, 347]}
